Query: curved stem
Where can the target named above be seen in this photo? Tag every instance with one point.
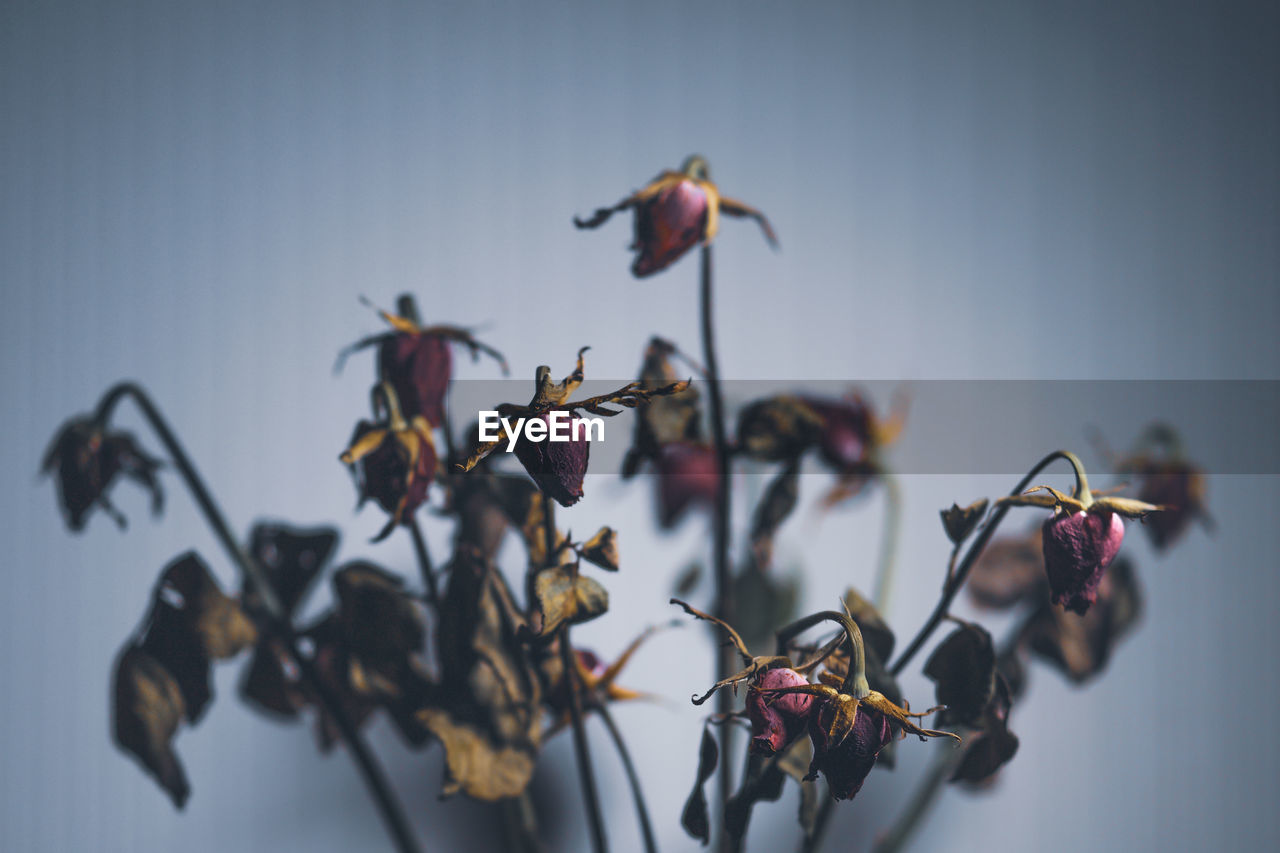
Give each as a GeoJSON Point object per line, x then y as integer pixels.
{"type": "Point", "coordinates": [637, 793]}
{"type": "Point", "coordinates": [370, 770]}
{"type": "Point", "coordinates": [424, 563]}
{"type": "Point", "coordinates": [971, 557]}
{"type": "Point", "coordinates": [720, 557]}
{"type": "Point", "coordinates": [855, 681]}
{"type": "Point", "coordinates": [888, 542]}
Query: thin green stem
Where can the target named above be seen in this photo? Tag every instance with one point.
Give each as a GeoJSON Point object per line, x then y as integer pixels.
{"type": "Point", "coordinates": [888, 541]}
{"type": "Point", "coordinates": [723, 578]}
{"type": "Point", "coordinates": [279, 623]}
{"type": "Point", "coordinates": [633, 778]}
{"type": "Point", "coordinates": [971, 557]}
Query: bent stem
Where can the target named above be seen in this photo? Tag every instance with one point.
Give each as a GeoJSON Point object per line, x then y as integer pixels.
{"type": "Point", "coordinates": [568, 661]}
{"type": "Point", "coordinates": [975, 551]}
{"type": "Point", "coordinates": [637, 793]}
{"type": "Point", "coordinates": [720, 554]}
{"type": "Point", "coordinates": [278, 621]}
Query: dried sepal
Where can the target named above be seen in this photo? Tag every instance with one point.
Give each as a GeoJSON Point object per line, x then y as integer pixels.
{"type": "Point", "coordinates": [601, 549]}
{"type": "Point", "coordinates": [695, 817]}
{"type": "Point", "coordinates": [959, 522]}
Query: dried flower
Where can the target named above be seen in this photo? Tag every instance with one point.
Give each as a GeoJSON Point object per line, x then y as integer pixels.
{"type": "Point", "coordinates": [674, 213]}
{"type": "Point", "coordinates": [1081, 538]}
{"type": "Point", "coordinates": [558, 467]}
{"type": "Point", "coordinates": [393, 461]}
{"type": "Point", "coordinates": [87, 459]}
{"type": "Point", "coordinates": [416, 360]}
{"type": "Point", "coordinates": [776, 722]}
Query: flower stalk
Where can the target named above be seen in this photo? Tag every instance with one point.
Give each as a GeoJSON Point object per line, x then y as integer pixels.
{"type": "Point", "coordinates": [720, 555]}
{"type": "Point", "coordinates": [370, 770]}
{"type": "Point", "coordinates": [975, 550]}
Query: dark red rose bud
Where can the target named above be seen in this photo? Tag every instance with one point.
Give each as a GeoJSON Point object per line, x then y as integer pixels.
{"type": "Point", "coordinates": [777, 720]}
{"type": "Point", "coordinates": [668, 225]}
{"type": "Point", "coordinates": [846, 764]}
{"type": "Point", "coordinates": [1078, 547]}
{"type": "Point", "coordinates": [87, 459]}
{"type": "Point", "coordinates": [687, 476]}
{"type": "Point", "coordinates": [418, 365]}
{"type": "Point", "coordinates": [558, 467]}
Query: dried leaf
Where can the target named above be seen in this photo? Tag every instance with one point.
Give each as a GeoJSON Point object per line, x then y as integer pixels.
{"type": "Point", "coordinates": [563, 596]}
{"type": "Point", "coordinates": [1081, 646]}
{"type": "Point", "coordinates": [475, 765]}
{"type": "Point", "coordinates": [192, 622]}
{"type": "Point", "coordinates": [1009, 571]}
{"type": "Point", "coordinates": [777, 504]}
{"type": "Point", "coordinates": [959, 522]}
{"type": "Point", "coordinates": [379, 621]}
{"type": "Point", "coordinates": [602, 549]}
{"type": "Point", "coordinates": [147, 711]}
{"type": "Point", "coordinates": [764, 602]}
{"type": "Point", "coordinates": [292, 557]}
{"type": "Point", "coordinates": [963, 669]}
{"type": "Point", "coordinates": [695, 817]}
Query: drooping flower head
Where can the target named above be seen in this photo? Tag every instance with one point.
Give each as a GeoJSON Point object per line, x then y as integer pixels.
{"type": "Point", "coordinates": [559, 466]}
{"type": "Point", "coordinates": [673, 213]}
{"type": "Point", "coordinates": [1081, 538]}
{"type": "Point", "coordinates": [393, 460]}
{"type": "Point", "coordinates": [417, 361]}
{"type": "Point", "coordinates": [87, 458]}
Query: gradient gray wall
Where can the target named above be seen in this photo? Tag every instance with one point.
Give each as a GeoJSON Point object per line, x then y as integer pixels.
{"type": "Point", "coordinates": [195, 196]}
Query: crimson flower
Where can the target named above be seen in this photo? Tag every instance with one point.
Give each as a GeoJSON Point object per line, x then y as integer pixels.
{"type": "Point", "coordinates": [1081, 538]}
{"type": "Point", "coordinates": [417, 362]}
{"type": "Point", "coordinates": [673, 213]}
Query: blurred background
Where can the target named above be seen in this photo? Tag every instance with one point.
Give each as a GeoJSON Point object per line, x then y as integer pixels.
{"type": "Point", "coordinates": [195, 196]}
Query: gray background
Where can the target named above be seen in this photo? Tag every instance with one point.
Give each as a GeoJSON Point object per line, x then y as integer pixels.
{"type": "Point", "coordinates": [196, 196]}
